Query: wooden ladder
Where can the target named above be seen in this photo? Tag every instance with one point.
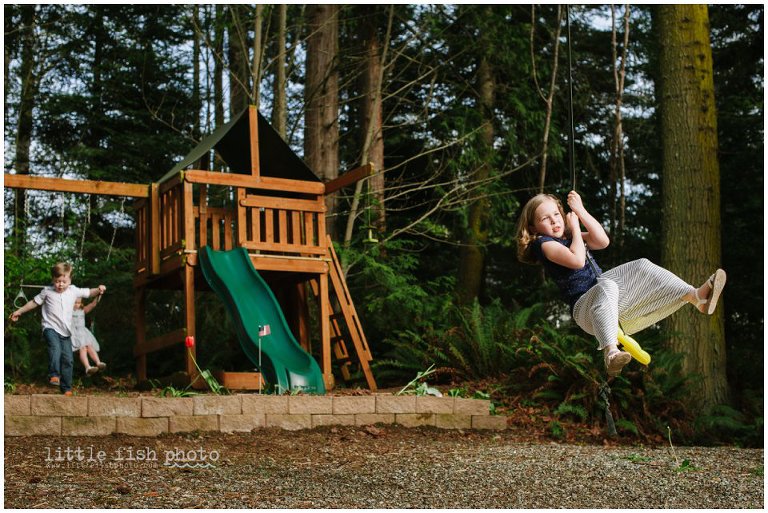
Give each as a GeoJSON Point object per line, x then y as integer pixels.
{"type": "Point", "coordinates": [345, 324]}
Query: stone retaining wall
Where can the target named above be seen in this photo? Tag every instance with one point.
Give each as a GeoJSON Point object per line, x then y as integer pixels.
{"type": "Point", "coordinates": [44, 414]}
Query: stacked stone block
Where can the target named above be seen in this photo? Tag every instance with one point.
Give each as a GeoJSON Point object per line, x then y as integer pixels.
{"type": "Point", "coordinates": [46, 414]}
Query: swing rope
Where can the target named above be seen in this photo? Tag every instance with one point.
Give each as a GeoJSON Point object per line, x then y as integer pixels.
{"type": "Point", "coordinates": [604, 390]}
{"type": "Point", "coordinates": [571, 136]}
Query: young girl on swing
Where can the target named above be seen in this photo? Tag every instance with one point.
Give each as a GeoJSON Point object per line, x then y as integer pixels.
{"type": "Point", "coordinates": [637, 294]}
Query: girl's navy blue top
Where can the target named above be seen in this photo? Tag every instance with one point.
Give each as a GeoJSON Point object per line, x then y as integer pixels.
{"type": "Point", "coordinates": [573, 283]}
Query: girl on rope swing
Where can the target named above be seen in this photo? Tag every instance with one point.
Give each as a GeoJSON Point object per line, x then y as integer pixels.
{"type": "Point", "coordinates": [635, 295]}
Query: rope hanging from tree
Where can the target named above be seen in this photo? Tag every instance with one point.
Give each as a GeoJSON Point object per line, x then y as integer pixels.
{"type": "Point", "coordinates": [604, 391]}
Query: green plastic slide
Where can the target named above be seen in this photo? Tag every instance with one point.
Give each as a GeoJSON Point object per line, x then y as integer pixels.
{"type": "Point", "coordinates": [255, 310]}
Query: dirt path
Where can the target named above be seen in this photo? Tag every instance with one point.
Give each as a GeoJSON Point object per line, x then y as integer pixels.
{"type": "Point", "coordinates": [388, 467]}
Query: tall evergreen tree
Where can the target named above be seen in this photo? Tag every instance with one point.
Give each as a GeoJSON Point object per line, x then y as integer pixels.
{"type": "Point", "coordinates": [321, 90]}
{"type": "Point", "coordinates": [691, 187]}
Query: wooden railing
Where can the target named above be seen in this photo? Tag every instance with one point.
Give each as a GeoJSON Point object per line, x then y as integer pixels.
{"type": "Point", "coordinates": [215, 227]}
{"type": "Point", "coordinates": [174, 220]}
{"type": "Point", "coordinates": [172, 229]}
{"type": "Point", "coordinates": [141, 209]}
{"type": "Point", "coordinates": [282, 226]}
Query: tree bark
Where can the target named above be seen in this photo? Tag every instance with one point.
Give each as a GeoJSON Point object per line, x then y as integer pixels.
{"type": "Point", "coordinates": [218, 70]}
{"type": "Point", "coordinates": [239, 71]}
{"type": "Point", "coordinates": [257, 56]}
{"type": "Point", "coordinates": [616, 160]}
{"type": "Point", "coordinates": [321, 136]}
{"type": "Point", "coordinates": [548, 99]}
{"type": "Point", "coordinates": [691, 188]}
{"type": "Point", "coordinates": [29, 85]}
{"type": "Point", "coordinates": [472, 253]}
{"type": "Point", "coordinates": [371, 121]}
{"type": "Point", "coordinates": [280, 109]}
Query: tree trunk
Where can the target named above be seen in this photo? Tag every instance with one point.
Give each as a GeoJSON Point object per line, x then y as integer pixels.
{"type": "Point", "coordinates": [218, 70]}
{"type": "Point", "coordinates": [196, 71]}
{"type": "Point", "coordinates": [691, 188]}
{"type": "Point", "coordinates": [472, 252]}
{"type": "Point", "coordinates": [548, 99]}
{"type": "Point", "coordinates": [239, 71]}
{"type": "Point", "coordinates": [371, 80]}
{"type": "Point", "coordinates": [321, 136]}
{"type": "Point", "coordinates": [280, 109]}
{"type": "Point", "coordinates": [29, 83]}
{"type": "Point", "coordinates": [257, 56]}
{"type": "Point", "coordinates": [616, 160]}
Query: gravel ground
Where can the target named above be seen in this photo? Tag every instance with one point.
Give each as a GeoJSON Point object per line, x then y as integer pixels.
{"type": "Point", "coordinates": [388, 467]}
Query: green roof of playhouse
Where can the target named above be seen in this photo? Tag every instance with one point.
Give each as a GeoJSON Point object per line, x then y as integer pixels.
{"type": "Point", "coordinates": [232, 142]}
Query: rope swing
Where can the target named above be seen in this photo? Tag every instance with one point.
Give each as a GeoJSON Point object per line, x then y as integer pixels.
{"type": "Point", "coordinates": [604, 390]}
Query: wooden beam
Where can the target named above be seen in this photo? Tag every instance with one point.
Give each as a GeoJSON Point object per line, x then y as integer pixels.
{"type": "Point", "coordinates": [189, 318]}
{"type": "Point", "coordinates": [253, 119]}
{"type": "Point", "coordinates": [253, 182]}
{"type": "Point", "coordinates": [349, 178]}
{"type": "Point", "coordinates": [45, 183]}
{"type": "Point", "coordinates": [153, 233]}
{"type": "Point", "coordinates": [175, 337]}
{"type": "Point", "coordinates": [283, 204]}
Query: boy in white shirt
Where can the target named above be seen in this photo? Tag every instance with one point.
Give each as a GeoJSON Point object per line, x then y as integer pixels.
{"type": "Point", "coordinates": [58, 301]}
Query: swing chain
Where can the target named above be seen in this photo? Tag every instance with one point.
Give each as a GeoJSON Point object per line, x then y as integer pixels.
{"type": "Point", "coordinates": [114, 230]}
{"type": "Point", "coordinates": [85, 229]}
{"type": "Point", "coordinates": [604, 393]}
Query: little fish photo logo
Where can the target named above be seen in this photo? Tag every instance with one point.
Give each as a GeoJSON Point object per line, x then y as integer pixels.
{"type": "Point", "coordinates": [199, 458]}
{"type": "Point", "coordinates": [91, 456]}
{"type": "Point", "coordinates": [128, 457]}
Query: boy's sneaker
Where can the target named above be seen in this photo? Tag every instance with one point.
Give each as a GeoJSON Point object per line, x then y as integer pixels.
{"type": "Point", "coordinates": [53, 381]}
{"type": "Point", "coordinates": [90, 371]}
{"type": "Point", "coordinates": [101, 366]}
{"type": "Point", "coordinates": [68, 393]}
{"type": "Point", "coordinates": [616, 361]}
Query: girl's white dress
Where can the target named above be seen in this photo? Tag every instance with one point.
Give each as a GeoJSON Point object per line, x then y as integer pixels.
{"type": "Point", "coordinates": [82, 336]}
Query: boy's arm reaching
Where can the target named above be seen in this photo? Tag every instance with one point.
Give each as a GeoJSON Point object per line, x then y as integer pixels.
{"type": "Point", "coordinates": [97, 291]}
{"type": "Point", "coordinates": [31, 305]}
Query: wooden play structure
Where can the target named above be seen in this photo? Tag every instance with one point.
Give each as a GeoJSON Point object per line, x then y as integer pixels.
{"type": "Point", "coordinates": [275, 209]}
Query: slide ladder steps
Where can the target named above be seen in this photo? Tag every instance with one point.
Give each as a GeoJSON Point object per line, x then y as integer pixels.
{"type": "Point", "coordinates": [343, 315]}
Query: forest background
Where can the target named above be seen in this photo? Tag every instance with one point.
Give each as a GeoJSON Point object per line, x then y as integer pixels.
{"type": "Point", "coordinates": [464, 110]}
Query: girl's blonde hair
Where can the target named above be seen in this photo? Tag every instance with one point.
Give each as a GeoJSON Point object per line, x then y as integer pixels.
{"type": "Point", "coordinates": [525, 232]}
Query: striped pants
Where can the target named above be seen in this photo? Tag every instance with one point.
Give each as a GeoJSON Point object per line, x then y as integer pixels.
{"type": "Point", "coordinates": [637, 294]}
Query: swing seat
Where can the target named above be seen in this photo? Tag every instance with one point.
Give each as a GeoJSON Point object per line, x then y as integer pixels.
{"type": "Point", "coordinates": [20, 299]}
{"type": "Point", "coordinates": [633, 348]}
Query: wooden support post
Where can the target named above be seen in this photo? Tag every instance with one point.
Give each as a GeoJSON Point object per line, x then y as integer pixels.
{"type": "Point", "coordinates": [253, 120]}
{"type": "Point", "coordinates": [302, 313]}
{"type": "Point", "coordinates": [140, 304]}
{"type": "Point", "coordinates": [189, 318]}
{"type": "Point", "coordinates": [242, 236]}
{"type": "Point", "coordinates": [188, 213]}
{"type": "Point", "coordinates": [153, 232]}
{"type": "Point", "coordinates": [325, 331]}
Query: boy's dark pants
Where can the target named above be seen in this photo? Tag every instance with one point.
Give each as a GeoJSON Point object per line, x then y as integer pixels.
{"type": "Point", "coordinates": [59, 358]}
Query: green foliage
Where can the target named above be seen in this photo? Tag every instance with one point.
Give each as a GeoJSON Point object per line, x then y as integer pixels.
{"type": "Point", "coordinates": [564, 409]}
{"type": "Point", "coordinates": [556, 430]}
{"type": "Point", "coordinates": [627, 426]}
{"type": "Point", "coordinates": [417, 386]}
{"type": "Point", "coordinates": [171, 391]}
{"type": "Point", "coordinates": [637, 458]}
{"type": "Point", "coordinates": [686, 466]}
{"type": "Point", "coordinates": [723, 420]}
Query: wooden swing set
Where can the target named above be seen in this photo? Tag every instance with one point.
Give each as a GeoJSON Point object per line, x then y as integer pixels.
{"type": "Point", "coordinates": [277, 214]}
